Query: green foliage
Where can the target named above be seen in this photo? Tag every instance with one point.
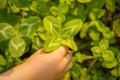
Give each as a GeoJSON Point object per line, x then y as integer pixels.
{"type": "Point", "coordinates": [116, 26]}
{"type": "Point", "coordinates": [89, 28]}
{"type": "Point", "coordinates": [96, 14]}
{"type": "Point", "coordinates": [6, 31]}
{"type": "Point", "coordinates": [3, 4]}
{"type": "Point", "coordinates": [61, 35]}
{"type": "Point", "coordinates": [17, 46]}
{"type": "Point", "coordinates": [29, 26]}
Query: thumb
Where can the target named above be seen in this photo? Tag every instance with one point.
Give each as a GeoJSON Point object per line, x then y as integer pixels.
{"type": "Point", "coordinates": [38, 52]}
{"type": "Point", "coordinates": [62, 51]}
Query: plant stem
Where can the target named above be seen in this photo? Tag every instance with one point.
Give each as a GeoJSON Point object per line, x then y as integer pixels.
{"type": "Point", "coordinates": [92, 64]}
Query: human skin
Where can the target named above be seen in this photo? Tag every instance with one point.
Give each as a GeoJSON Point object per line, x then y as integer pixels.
{"type": "Point", "coordinates": [41, 66]}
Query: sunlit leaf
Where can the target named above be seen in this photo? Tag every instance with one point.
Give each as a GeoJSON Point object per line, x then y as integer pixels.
{"type": "Point", "coordinates": [72, 27]}
{"type": "Point", "coordinates": [104, 44]}
{"type": "Point", "coordinates": [52, 43]}
{"type": "Point", "coordinates": [33, 6]}
{"type": "Point", "coordinates": [52, 25]}
{"type": "Point", "coordinates": [85, 28]}
{"type": "Point", "coordinates": [29, 26]}
{"type": "Point", "coordinates": [6, 31]}
{"type": "Point", "coordinates": [108, 33]}
{"type": "Point", "coordinates": [61, 18]}
{"type": "Point", "coordinates": [37, 43]}
{"type": "Point", "coordinates": [69, 43]}
{"type": "Point", "coordinates": [96, 51]}
{"type": "Point", "coordinates": [109, 64]}
{"type": "Point", "coordinates": [67, 76]}
{"type": "Point", "coordinates": [63, 8]}
{"type": "Point", "coordinates": [17, 46]}
{"type": "Point", "coordinates": [96, 14]}
{"type": "Point", "coordinates": [108, 55]}
{"type": "Point", "coordinates": [54, 10]}
{"type": "Point", "coordinates": [84, 1]}
{"type": "Point", "coordinates": [100, 25]}
{"type": "Point", "coordinates": [81, 57]}
{"type": "Point", "coordinates": [94, 34]}
{"type": "Point", "coordinates": [15, 9]}
{"type": "Point", "coordinates": [116, 71]}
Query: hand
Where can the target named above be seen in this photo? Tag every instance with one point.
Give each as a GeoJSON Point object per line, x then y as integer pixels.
{"type": "Point", "coordinates": [43, 66]}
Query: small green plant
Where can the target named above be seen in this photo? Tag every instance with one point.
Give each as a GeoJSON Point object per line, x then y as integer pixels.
{"type": "Point", "coordinates": [89, 28]}
{"type": "Point", "coordinates": [61, 35]}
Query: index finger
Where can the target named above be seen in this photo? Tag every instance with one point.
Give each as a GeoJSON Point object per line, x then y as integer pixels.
{"type": "Point", "coordinates": [62, 51]}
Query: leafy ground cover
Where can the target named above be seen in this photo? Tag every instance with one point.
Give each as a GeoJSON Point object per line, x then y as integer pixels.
{"type": "Point", "coordinates": [90, 28]}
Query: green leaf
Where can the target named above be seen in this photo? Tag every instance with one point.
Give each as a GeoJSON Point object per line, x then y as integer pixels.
{"type": "Point", "coordinates": [15, 9]}
{"type": "Point", "coordinates": [20, 3]}
{"type": "Point", "coordinates": [111, 5]}
{"type": "Point", "coordinates": [84, 1]}
{"type": "Point", "coordinates": [108, 55]}
{"type": "Point", "coordinates": [29, 26]}
{"type": "Point", "coordinates": [52, 25]}
{"type": "Point", "coordinates": [37, 43]}
{"type": "Point", "coordinates": [100, 25]}
{"type": "Point", "coordinates": [114, 49]}
{"type": "Point", "coordinates": [28, 42]}
{"type": "Point", "coordinates": [103, 44]}
{"type": "Point", "coordinates": [96, 51]}
{"type": "Point", "coordinates": [2, 60]}
{"type": "Point", "coordinates": [116, 26]}
{"type": "Point", "coordinates": [63, 8]}
{"type": "Point", "coordinates": [3, 4]}
{"type": "Point", "coordinates": [7, 16]}
{"type": "Point", "coordinates": [71, 28]}
{"type": "Point", "coordinates": [61, 18]}
{"type": "Point", "coordinates": [69, 43]}
{"type": "Point", "coordinates": [94, 34]}
{"type": "Point", "coordinates": [85, 28]}
{"type": "Point", "coordinates": [54, 10]}
{"type": "Point", "coordinates": [4, 45]}
{"type": "Point", "coordinates": [96, 14]}
{"type": "Point", "coordinates": [66, 76]}
{"type": "Point", "coordinates": [116, 71]}
{"type": "Point", "coordinates": [108, 34]}
{"type": "Point", "coordinates": [43, 7]}
{"type": "Point", "coordinates": [6, 31]}
{"type": "Point", "coordinates": [79, 11]}
{"type": "Point", "coordinates": [81, 57]}
{"type": "Point", "coordinates": [33, 6]}
{"type": "Point", "coordinates": [76, 71]}
{"type": "Point", "coordinates": [94, 4]}
{"type": "Point", "coordinates": [52, 43]}
{"type": "Point", "coordinates": [118, 57]}
{"type": "Point", "coordinates": [17, 46]}
{"type": "Point", "coordinates": [109, 64]}
{"type": "Point", "coordinates": [43, 33]}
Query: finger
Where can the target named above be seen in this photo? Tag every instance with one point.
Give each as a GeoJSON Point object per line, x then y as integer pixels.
{"type": "Point", "coordinates": [67, 59]}
{"type": "Point", "coordinates": [67, 68]}
{"type": "Point", "coordinates": [61, 52]}
{"type": "Point", "coordinates": [38, 52]}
